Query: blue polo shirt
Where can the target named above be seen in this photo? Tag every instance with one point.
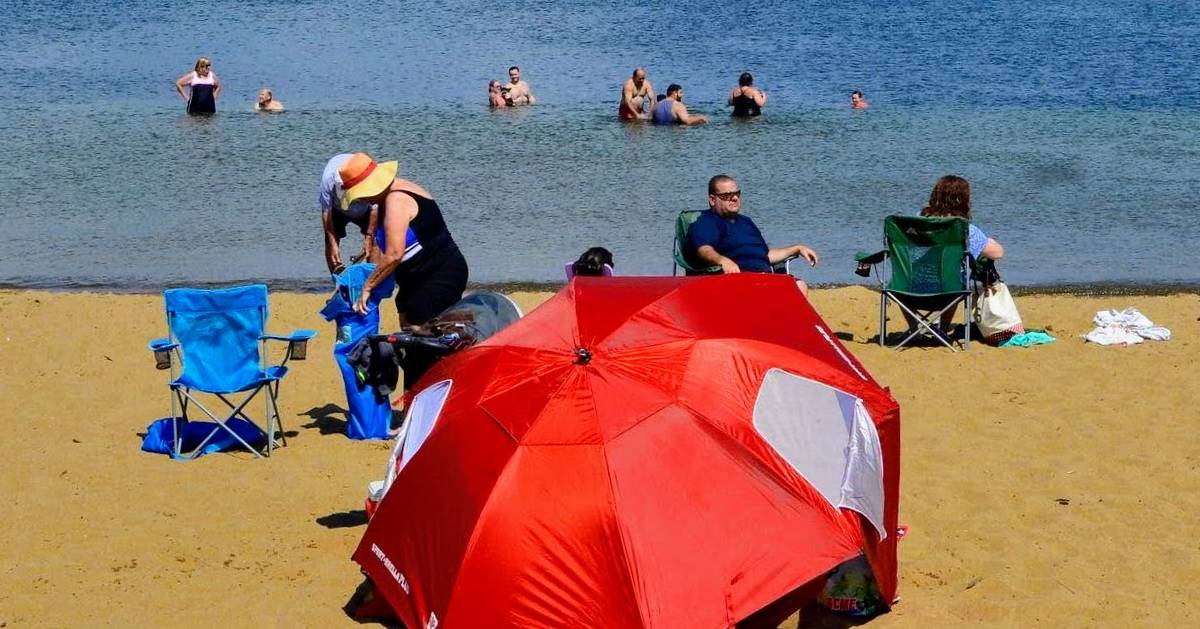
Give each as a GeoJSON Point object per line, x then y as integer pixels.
{"type": "Point", "coordinates": [737, 239]}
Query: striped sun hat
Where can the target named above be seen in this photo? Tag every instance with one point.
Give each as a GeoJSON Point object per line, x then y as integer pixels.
{"type": "Point", "coordinates": [362, 177]}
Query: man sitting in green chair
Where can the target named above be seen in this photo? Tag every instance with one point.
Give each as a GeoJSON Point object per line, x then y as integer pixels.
{"type": "Point", "coordinates": [724, 237]}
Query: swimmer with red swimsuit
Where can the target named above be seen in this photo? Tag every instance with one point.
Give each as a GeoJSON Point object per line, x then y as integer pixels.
{"type": "Point", "coordinates": [635, 95]}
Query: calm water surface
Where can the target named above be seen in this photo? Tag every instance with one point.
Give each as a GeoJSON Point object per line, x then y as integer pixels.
{"type": "Point", "coordinates": [1076, 123]}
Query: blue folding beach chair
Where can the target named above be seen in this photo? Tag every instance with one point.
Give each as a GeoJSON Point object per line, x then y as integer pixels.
{"type": "Point", "coordinates": [218, 338]}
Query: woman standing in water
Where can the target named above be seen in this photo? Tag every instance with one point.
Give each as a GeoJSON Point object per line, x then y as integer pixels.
{"type": "Point", "coordinates": [204, 88]}
{"type": "Point", "coordinates": [746, 100]}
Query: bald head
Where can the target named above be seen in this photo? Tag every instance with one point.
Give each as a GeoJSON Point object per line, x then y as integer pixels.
{"type": "Point", "coordinates": [716, 182]}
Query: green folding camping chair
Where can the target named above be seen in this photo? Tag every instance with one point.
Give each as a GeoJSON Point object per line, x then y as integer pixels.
{"type": "Point", "coordinates": [929, 274]}
{"type": "Point", "coordinates": [683, 222]}
{"type": "Point", "coordinates": [690, 266]}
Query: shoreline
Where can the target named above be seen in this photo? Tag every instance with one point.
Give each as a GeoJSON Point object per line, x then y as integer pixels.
{"type": "Point", "coordinates": [1150, 288]}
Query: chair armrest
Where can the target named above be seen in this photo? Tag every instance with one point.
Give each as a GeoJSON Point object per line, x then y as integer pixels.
{"type": "Point", "coordinates": [866, 261]}
{"type": "Point", "coordinates": [297, 343]}
{"type": "Point", "coordinates": [784, 266]}
{"type": "Point", "coordinates": [862, 257]}
{"type": "Point", "coordinates": [296, 335]}
{"type": "Point", "coordinates": [163, 344]}
{"type": "Point", "coordinates": [162, 352]}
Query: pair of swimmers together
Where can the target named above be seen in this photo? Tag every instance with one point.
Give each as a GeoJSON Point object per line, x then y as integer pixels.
{"type": "Point", "coordinates": [638, 101]}
{"type": "Point", "coordinates": [200, 89]}
{"type": "Point", "coordinates": [516, 93]}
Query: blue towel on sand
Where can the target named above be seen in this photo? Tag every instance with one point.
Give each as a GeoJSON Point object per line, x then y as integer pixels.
{"type": "Point", "coordinates": [160, 436]}
{"type": "Point", "coordinates": [1028, 338]}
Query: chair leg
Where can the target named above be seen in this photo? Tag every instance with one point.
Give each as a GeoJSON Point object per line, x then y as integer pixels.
{"type": "Point", "coordinates": [270, 419]}
{"type": "Point", "coordinates": [238, 411]}
{"type": "Point", "coordinates": [175, 424]}
{"type": "Point", "coordinates": [945, 340]}
{"type": "Point", "coordinates": [273, 396]}
{"type": "Point", "coordinates": [923, 319]}
{"type": "Point", "coordinates": [882, 319]}
{"type": "Point", "coordinates": [222, 425]}
{"type": "Point", "coordinates": [968, 315]}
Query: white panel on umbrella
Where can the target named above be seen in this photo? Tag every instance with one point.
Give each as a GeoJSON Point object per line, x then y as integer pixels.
{"type": "Point", "coordinates": [828, 437]}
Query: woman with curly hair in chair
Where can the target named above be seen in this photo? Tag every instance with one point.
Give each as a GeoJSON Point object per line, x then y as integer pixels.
{"type": "Point", "coordinates": [951, 197]}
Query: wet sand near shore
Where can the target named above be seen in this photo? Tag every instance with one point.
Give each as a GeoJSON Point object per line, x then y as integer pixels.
{"type": "Point", "coordinates": [1055, 485]}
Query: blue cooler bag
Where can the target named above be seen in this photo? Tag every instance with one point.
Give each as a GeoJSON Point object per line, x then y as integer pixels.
{"type": "Point", "coordinates": [370, 414]}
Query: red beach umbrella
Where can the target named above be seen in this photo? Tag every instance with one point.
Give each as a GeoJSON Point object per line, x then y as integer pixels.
{"type": "Point", "coordinates": [638, 452]}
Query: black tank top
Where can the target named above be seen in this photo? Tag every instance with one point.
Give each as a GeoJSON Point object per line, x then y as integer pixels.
{"type": "Point", "coordinates": [428, 238]}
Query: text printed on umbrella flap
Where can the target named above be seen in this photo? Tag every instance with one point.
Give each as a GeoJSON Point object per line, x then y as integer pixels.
{"type": "Point", "coordinates": [391, 568]}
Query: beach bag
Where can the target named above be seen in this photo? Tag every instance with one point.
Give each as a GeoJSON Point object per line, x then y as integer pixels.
{"type": "Point", "coordinates": [850, 589]}
{"type": "Point", "coordinates": [996, 313]}
{"type": "Point", "coordinates": [369, 415]}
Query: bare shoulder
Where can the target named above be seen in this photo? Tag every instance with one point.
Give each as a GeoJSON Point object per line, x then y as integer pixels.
{"type": "Point", "coordinates": [411, 186]}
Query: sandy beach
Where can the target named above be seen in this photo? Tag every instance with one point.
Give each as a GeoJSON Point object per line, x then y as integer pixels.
{"type": "Point", "coordinates": [1055, 485]}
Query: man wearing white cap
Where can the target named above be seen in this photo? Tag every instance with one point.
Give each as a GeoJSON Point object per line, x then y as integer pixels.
{"type": "Point", "coordinates": [334, 219]}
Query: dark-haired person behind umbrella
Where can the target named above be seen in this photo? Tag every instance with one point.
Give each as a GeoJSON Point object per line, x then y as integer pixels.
{"type": "Point", "coordinates": [595, 262]}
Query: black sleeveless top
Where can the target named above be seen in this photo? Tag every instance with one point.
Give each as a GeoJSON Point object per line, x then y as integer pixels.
{"type": "Point", "coordinates": [745, 107]}
{"type": "Point", "coordinates": [427, 239]}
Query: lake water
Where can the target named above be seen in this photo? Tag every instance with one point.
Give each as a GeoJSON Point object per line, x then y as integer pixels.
{"type": "Point", "coordinates": [1076, 124]}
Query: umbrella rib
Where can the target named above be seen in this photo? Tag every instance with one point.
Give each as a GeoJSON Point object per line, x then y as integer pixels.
{"type": "Point", "coordinates": [626, 552]}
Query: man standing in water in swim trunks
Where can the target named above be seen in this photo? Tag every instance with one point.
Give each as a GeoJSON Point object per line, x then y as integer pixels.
{"type": "Point", "coordinates": [636, 94]}
{"type": "Point", "coordinates": [517, 92]}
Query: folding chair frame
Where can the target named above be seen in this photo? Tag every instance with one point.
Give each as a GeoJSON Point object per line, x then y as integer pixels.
{"type": "Point", "coordinates": [923, 316]}
{"type": "Point", "coordinates": [167, 351]}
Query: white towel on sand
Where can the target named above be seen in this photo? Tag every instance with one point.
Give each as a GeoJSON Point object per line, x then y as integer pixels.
{"type": "Point", "coordinates": [1125, 327]}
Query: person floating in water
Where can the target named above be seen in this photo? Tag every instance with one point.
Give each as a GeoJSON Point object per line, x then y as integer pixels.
{"type": "Point", "coordinates": [637, 97]}
{"type": "Point", "coordinates": [857, 101]}
{"type": "Point", "coordinates": [672, 110]}
{"type": "Point", "coordinates": [267, 102]}
{"type": "Point", "coordinates": [746, 100]}
{"type": "Point", "coordinates": [517, 92]}
{"type": "Point", "coordinates": [203, 88]}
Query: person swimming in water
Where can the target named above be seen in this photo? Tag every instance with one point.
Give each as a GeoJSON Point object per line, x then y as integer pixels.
{"type": "Point", "coordinates": [637, 97]}
{"type": "Point", "coordinates": [857, 101]}
{"type": "Point", "coordinates": [203, 88]}
{"type": "Point", "coordinates": [746, 100]}
{"type": "Point", "coordinates": [267, 102]}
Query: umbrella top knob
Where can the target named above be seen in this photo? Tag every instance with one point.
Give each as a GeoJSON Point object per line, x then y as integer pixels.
{"type": "Point", "coordinates": [582, 356]}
